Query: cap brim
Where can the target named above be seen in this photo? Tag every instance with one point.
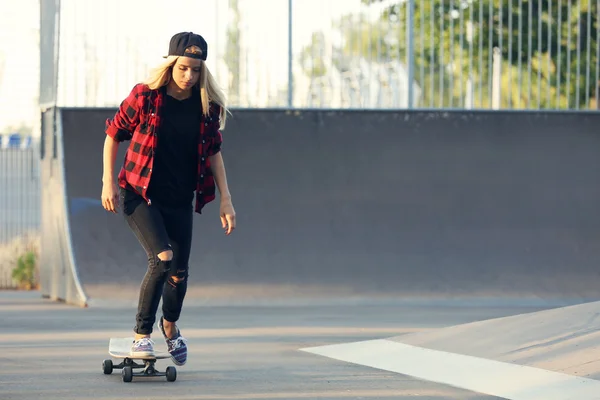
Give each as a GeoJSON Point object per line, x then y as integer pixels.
{"type": "Point", "coordinates": [190, 55]}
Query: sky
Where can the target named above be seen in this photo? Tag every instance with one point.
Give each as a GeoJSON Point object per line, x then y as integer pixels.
{"type": "Point", "coordinates": [19, 62]}
{"type": "Point", "coordinates": [126, 37]}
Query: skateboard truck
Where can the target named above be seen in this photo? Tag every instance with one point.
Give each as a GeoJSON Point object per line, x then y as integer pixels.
{"type": "Point", "coordinates": [128, 365]}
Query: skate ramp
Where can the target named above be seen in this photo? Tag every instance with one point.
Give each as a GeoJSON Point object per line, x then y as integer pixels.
{"type": "Point", "coordinates": [477, 207]}
{"type": "Point", "coordinates": [549, 354]}
{"type": "Point", "coordinates": [58, 273]}
{"type": "Point", "coordinates": [561, 340]}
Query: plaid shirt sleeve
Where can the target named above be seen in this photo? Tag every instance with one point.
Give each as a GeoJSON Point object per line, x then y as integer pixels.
{"type": "Point", "coordinates": [122, 125]}
{"type": "Point", "coordinates": [216, 138]}
{"type": "Point", "coordinates": [211, 145]}
{"type": "Point", "coordinates": [132, 122]}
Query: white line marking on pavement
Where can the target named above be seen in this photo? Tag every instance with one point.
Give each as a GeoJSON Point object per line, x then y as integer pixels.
{"type": "Point", "coordinates": [495, 378]}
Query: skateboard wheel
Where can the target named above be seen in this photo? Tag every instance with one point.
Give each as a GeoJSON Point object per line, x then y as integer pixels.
{"type": "Point", "coordinates": [171, 373]}
{"type": "Point", "coordinates": [107, 367]}
{"type": "Point", "coordinates": [127, 374]}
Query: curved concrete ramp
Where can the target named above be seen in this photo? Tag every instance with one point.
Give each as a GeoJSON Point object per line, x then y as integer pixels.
{"type": "Point", "coordinates": [59, 278]}
{"type": "Point", "coordinates": [414, 206]}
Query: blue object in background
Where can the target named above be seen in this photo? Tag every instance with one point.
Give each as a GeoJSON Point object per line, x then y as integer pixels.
{"type": "Point", "coordinates": [14, 141]}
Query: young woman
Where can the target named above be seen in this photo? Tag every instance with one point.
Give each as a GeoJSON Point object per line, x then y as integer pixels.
{"type": "Point", "coordinates": [173, 121]}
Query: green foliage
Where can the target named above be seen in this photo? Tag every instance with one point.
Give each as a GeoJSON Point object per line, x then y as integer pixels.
{"type": "Point", "coordinates": [24, 272]}
{"type": "Point", "coordinates": [548, 48]}
{"type": "Point", "coordinates": [311, 57]}
{"type": "Point", "coordinates": [551, 46]}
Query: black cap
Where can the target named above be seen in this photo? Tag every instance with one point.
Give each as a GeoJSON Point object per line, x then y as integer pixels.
{"type": "Point", "coordinates": [183, 40]}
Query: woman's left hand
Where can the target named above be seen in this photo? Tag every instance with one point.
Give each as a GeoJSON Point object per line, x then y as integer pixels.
{"type": "Point", "coordinates": [227, 216]}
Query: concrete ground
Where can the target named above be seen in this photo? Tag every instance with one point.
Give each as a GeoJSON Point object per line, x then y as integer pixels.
{"type": "Point", "coordinates": [55, 351]}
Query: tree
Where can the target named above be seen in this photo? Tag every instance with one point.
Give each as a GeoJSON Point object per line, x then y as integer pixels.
{"type": "Point", "coordinates": [548, 50]}
{"type": "Point", "coordinates": [232, 52]}
{"type": "Point", "coordinates": [311, 57]}
{"type": "Point", "coordinates": [384, 41]}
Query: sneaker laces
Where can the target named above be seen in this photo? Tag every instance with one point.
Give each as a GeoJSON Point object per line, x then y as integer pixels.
{"type": "Point", "coordinates": [143, 341]}
{"type": "Point", "coordinates": [178, 342]}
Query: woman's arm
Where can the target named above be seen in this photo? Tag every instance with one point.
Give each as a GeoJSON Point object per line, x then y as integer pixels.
{"type": "Point", "coordinates": [109, 155]}
{"type": "Point", "coordinates": [118, 129]}
{"type": "Point", "coordinates": [218, 168]}
{"type": "Point", "coordinates": [110, 197]}
{"type": "Point", "coordinates": [227, 211]}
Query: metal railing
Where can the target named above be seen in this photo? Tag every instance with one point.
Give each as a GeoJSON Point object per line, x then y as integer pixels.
{"type": "Point", "coordinates": [460, 54]}
{"type": "Point", "coordinates": [19, 209]}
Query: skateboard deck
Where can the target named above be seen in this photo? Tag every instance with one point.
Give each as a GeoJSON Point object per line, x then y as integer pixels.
{"type": "Point", "coordinates": [120, 347]}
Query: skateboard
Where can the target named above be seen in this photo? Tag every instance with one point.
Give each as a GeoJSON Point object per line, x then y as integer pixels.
{"type": "Point", "coordinates": [119, 348]}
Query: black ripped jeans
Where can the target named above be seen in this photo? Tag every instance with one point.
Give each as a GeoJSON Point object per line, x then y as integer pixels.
{"type": "Point", "coordinates": [159, 228]}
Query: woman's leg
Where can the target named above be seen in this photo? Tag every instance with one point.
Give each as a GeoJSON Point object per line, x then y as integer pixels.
{"type": "Point", "coordinates": [147, 224]}
{"type": "Point", "coordinates": [179, 226]}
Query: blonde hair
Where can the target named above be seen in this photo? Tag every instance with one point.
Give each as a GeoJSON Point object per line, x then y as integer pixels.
{"type": "Point", "coordinates": [210, 90]}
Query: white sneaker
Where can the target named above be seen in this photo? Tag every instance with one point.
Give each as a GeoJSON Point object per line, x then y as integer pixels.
{"type": "Point", "coordinates": [143, 347]}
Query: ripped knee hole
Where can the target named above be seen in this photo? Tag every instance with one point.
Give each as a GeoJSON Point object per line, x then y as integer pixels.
{"type": "Point", "coordinates": [166, 255]}
{"type": "Point", "coordinates": [178, 278]}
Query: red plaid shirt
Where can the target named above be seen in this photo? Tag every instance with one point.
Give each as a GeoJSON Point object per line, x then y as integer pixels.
{"type": "Point", "coordinates": [138, 119]}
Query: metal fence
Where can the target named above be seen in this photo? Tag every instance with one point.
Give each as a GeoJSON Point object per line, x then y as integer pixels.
{"type": "Point", "coordinates": [19, 209]}
{"type": "Point", "coordinates": [384, 54]}
{"type": "Point", "coordinates": [461, 54]}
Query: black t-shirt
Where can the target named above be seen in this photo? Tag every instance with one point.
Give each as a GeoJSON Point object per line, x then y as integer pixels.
{"type": "Point", "coordinates": [175, 168]}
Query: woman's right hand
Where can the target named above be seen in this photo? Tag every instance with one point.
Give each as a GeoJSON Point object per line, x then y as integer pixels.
{"type": "Point", "coordinates": [110, 197]}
